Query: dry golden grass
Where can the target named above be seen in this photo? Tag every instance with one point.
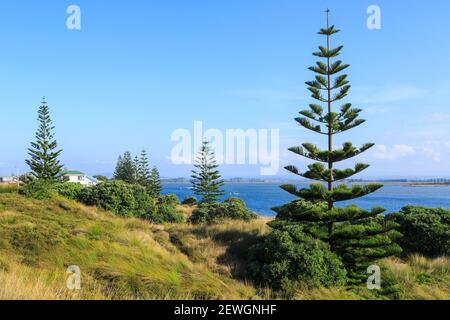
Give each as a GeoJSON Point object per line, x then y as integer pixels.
{"type": "Point", "coordinates": [421, 278]}
{"type": "Point", "coordinates": [325, 294]}
{"type": "Point", "coordinates": [20, 282]}
{"type": "Point", "coordinates": [186, 210]}
{"type": "Point", "coordinates": [218, 246]}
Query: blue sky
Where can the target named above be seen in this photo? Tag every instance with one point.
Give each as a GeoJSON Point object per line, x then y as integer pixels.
{"type": "Point", "coordinates": [138, 70]}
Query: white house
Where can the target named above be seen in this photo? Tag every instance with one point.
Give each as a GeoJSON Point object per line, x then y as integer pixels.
{"type": "Point", "coordinates": [9, 180]}
{"type": "Point", "coordinates": [79, 177]}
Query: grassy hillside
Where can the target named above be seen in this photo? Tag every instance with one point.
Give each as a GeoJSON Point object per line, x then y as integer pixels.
{"type": "Point", "coordinates": [132, 259]}
{"type": "Point", "coordinates": [119, 258]}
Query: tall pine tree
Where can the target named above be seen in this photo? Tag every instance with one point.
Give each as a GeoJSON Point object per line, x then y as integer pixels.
{"type": "Point", "coordinates": [206, 180]}
{"type": "Point", "coordinates": [44, 156]}
{"type": "Point", "coordinates": [358, 236]}
{"type": "Point", "coordinates": [155, 183]}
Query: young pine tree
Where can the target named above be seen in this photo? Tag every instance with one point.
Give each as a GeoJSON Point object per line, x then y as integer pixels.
{"type": "Point", "coordinates": [358, 236]}
{"type": "Point", "coordinates": [44, 156]}
{"type": "Point", "coordinates": [155, 183]}
{"type": "Point", "coordinates": [125, 168]}
{"type": "Point", "coordinates": [143, 170]}
{"type": "Point", "coordinates": [206, 180]}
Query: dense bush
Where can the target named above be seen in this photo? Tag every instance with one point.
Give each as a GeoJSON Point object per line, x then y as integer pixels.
{"type": "Point", "coordinates": [287, 257]}
{"type": "Point", "coordinates": [190, 201]}
{"type": "Point", "coordinates": [425, 230]}
{"type": "Point", "coordinates": [69, 190]}
{"type": "Point", "coordinates": [119, 197]}
{"type": "Point", "coordinates": [158, 213]}
{"type": "Point", "coordinates": [232, 208]}
{"type": "Point", "coordinates": [168, 200]}
{"type": "Point", "coordinates": [201, 214]}
{"type": "Point", "coordinates": [38, 189]}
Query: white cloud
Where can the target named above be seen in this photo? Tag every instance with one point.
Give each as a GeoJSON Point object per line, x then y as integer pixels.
{"type": "Point", "coordinates": [395, 152]}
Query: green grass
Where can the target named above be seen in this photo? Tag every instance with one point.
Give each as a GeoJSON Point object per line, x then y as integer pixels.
{"type": "Point", "coordinates": [131, 259]}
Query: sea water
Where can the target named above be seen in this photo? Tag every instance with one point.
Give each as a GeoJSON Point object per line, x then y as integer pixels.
{"type": "Point", "coordinates": [262, 197]}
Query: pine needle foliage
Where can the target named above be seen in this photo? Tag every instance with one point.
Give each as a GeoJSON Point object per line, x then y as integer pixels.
{"type": "Point", "coordinates": [358, 236]}
{"type": "Point", "coordinates": [44, 155]}
{"type": "Point", "coordinates": [125, 168]}
{"type": "Point", "coordinates": [155, 184]}
{"type": "Point", "coordinates": [206, 179]}
{"type": "Point", "coordinates": [143, 170]}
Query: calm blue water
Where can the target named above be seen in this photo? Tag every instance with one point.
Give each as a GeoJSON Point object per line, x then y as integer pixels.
{"type": "Point", "coordinates": [262, 197]}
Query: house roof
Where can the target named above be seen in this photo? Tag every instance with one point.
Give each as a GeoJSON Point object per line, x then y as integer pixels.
{"type": "Point", "coordinates": [73, 173]}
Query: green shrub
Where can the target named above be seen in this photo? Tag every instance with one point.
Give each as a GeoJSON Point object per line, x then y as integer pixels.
{"type": "Point", "coordinates": [237, 209]}
{"type": "Point", "coordinates": [201, 214]}
{"type": "Point", "coordinates": [232, 208]}
{"type": "Point", "coordinates": [168, 200]}
{"type": "Point", "coordinates": [426, 231]}
{"type": "Point", "coordinates": [190, 201]}
{"type": "Point", "coordinates": [69, 190]}
{"type": "Point", "coordinates": [38, 189]}
{"type": "Point", "coordinates": [119, 197]}
{"type": "Point", "coordinates": [288, 257]}
{"type": "Point", "coordinates": [164, 214]}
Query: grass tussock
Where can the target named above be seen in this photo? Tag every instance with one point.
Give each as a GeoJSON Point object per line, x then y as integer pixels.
{"type": "Point", "coordinates": [133, 259]}
{"type": "Point", "coordinates": [420, 278]}
{"type": "Point", "coordinates": [221, 247]}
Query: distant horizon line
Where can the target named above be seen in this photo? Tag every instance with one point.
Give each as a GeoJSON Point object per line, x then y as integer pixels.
{"type": "Point", "coordinates": [263, 179]}
{"type": "Point", "coordinates": [425, 178]}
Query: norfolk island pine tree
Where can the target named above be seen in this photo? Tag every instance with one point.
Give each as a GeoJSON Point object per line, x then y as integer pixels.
{"type": "Point", "coordinates": [44, 157]}
{"type": "Point", "coordinates": [143, 170]}
{"type": "Point", "coordinates": [206, 180]}
{"type": "Point", "coordinates": [155, 183]}
{"type": "Point", "coordinates": [125, 168]}
{"type": "Point", "coordinates": [358, 236]}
